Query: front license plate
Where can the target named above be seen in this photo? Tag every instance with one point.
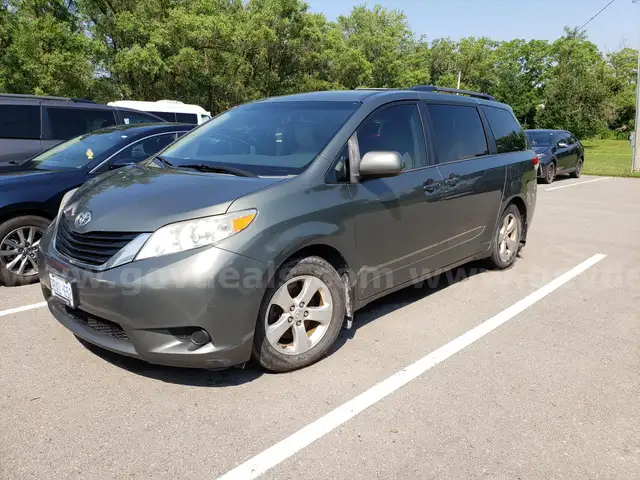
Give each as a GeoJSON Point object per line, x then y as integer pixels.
{"type": "Point", "coordinates": [62, 289]}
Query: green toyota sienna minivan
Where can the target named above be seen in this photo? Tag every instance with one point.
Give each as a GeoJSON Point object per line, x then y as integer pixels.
{"type": "Point", "coordinates": [260, 233]}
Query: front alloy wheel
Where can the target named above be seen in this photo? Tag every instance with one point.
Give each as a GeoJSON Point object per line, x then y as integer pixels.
{"type": "Point", "coordinates": [19, 249]}
{"type": "Point", "coordinates": [301, 315]}
{"type": "Point", "coordinates": [298, 315]}
{"type": "Point", "coordinates": [19, 241]}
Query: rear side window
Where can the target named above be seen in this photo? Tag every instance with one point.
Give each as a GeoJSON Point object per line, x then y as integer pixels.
{"type": "Point", "coordinates": [143, 149]}
{"type": "Point", "coordinates": [508, 133]}
{"type": "Point", "coordinates": [132, 118]}
{"type": "Point", "coordinates": [168, 116]}
{"type": "Point", "coordinates": [20, 121]}
{"type": "Point", "coordinates": [65, 123]}
{"type": "Point", "coordinates": [187, 118]}
{"type": "Point", "coordinates": [459, 134]}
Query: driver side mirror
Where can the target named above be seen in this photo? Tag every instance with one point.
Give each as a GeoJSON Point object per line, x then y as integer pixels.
{"type": "Point", "coordinates": [562, 144]}
{"type": "Point", "coordinates": [381, 164]}
{"type": "Point", "coordinates": [121, 162]}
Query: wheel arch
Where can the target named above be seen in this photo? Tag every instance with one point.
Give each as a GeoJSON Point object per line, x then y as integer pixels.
{"type": "Point", "coordinates": [521, 205]}
{"type": "Point", "coordinates": [333, 256]}
{"type": "Point", "coordinates": [24, 209]}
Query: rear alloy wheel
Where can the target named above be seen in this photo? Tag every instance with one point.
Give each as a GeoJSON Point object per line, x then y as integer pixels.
{"type": "Point", "coordinates": [578, 171]}
{"type": "Point", "coordinates": [300, 317]}
{"type": "Point", "coordinates": [506, 242]}
{"type": "Point", "coordinates": [549, 173]}
{"type": "Point", "coordinates": [19, 241]}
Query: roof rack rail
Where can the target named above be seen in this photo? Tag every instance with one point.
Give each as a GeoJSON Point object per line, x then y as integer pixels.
{"type": "Point", "coordinates": [433, 88]}
{"type": "Point", "coordinates": [45, 97]}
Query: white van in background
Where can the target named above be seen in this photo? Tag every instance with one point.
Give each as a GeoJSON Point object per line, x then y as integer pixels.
{"type": "Point", "coordinates": [169, 110]}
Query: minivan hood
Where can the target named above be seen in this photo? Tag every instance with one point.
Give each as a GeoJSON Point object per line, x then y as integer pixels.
{"type": "Point", "coordinates": [142, 199]}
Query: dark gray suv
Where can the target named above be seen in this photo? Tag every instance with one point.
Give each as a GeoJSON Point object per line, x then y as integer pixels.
{"type": "Point", "coordinates": [260, 232]}
{"type": "Point", "coordinates": [30, 124]}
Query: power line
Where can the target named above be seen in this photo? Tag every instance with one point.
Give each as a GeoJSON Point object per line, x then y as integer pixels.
{"type": "Point", "coordinates": [603, 9]}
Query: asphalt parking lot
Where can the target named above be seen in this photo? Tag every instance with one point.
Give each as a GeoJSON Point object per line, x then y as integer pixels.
{"type": "Point", "coordinates": [549, 390]}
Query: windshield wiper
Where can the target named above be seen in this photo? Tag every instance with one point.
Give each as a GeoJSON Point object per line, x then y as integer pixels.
{"type": "Point", "coordinates": [205, 167]}
{"type": "Point", "coordinates": [164, 161]}
{"type": "Point", "coordinates": [18, 162]}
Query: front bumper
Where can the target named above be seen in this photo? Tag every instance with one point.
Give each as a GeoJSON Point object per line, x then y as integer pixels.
{"type": "Point", "coordinates": [142, 309]}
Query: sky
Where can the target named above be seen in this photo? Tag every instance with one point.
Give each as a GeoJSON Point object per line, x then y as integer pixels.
{"type": "Point", "coordinates": [618, 25]}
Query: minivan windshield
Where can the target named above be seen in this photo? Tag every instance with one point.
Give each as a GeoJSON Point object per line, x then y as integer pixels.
{"type": "Point", "coordinates": [266, 138]}
{"type": "Point", "coordinates": [540, 139]}
{"type": "Point", "coordinates": [79, 151]}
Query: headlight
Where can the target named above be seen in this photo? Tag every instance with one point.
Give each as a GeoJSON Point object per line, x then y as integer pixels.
{"type": "Point", "coordinates": [65, 199]}
{"type": "Point", "coordinates": [181, 236]}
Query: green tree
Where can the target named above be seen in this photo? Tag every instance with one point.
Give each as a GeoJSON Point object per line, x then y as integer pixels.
{"type": "Point", "coordinates": [387, 43]}
{"type": "Point", "coordinates": [520, 70]}
{"type": "Point", "coordinates": [623, 78]}
{"type": "Point", "coordinates": [442, 62]}
{"type": "Point", "coordinates": [45, 49]}
{"type": "Point", "coordinates": [577, 94]}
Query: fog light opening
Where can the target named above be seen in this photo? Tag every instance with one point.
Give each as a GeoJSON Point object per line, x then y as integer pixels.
{"type": "Point", "coordinates": [200, 337]}
{"type": "Point", "coordinates": [195, 335]}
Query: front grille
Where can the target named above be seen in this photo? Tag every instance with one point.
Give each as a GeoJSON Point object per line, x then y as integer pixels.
{"type": "Point", "coordinates": [93, 248]}
{"type": "Point", "coordinates": [98, 324]}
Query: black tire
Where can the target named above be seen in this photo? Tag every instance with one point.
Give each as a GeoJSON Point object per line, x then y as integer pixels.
{"type": "Point", "coordinates": [578, 171]}
{"type": "Point", "coordinates": [265, 353]}
{"type": "Point", "coordinates": [549, 173]}
{"type": "Point", "coordinates": [496, 261]}
{"type": "Point", "coordinates": [8, 278]}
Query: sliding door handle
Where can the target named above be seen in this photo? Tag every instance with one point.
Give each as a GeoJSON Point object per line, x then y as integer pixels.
{"type": "Point", "coordinates": [452, 180]}
{"type": "Point", "coordinates": [432, 186]}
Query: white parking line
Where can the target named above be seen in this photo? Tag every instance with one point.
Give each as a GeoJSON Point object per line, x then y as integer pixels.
{"type": "Point", "coordinates": [576, 184]}
{"type": "Point", "coordinates": [284, 449]}
{"type": "Point", "coordinates": [22, 309]}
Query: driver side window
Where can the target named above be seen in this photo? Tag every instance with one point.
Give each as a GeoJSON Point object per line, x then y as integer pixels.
{"type": "Point", "coordinates": [396, 129]}
{"type": "Point", "coordinates": [143, 149]}
{"type": "Point", "coordinates": [562, 142]}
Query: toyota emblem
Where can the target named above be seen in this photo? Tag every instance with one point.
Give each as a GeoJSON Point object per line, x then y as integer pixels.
{"type": "Point", "coordinates": [82, 219]}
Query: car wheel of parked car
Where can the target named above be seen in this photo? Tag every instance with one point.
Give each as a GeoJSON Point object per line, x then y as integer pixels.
{"type": "Point", "coordinates": [578, 171]}
{"type": "Point", "coordinates": [19, 239]}
{"type": "Point", "coordinates": [301, 315]}
{"type": "Point", "coordinates": [506, 242]}
{"type": "Point", "coordinates": [549, 172]}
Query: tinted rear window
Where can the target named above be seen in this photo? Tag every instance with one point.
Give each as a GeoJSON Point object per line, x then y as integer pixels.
{"type": "Point", "coordinates": [168, 116]}
{"type": "Point", "coordinates": [506, 130]}
{"type": "Point", "coordinates": [540, 138]}
{"type": "Point", "coordinates": [131, 118]}
{"type": "Point", "coordinates": [65, 123]}
{"type": "Point", "coordinates": [459, 133]}
{"type": "Point", "coordinates": [187, 118]}
{"type": "Point", "coordinates": [20, 121]}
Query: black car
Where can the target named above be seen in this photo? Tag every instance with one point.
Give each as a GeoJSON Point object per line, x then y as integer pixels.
{"type": "Point", "coordinates": [30, 193]}
{"type": "Point", "coordinates": [30, 124]}
{"type": "Point", "coordinates": [559, 152]}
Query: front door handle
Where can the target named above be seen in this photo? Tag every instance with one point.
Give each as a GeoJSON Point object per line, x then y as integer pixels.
{"type": "Point", "coordinates": [431, 186]}
{"type": "Point", "coordinates": [452, 180]}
